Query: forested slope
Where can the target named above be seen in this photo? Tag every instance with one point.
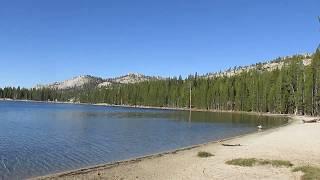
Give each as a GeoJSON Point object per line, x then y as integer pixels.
{"type": "Point", "coordinates": [292, 89]}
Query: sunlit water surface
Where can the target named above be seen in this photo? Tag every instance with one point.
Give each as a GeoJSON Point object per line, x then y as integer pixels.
{"type": "Point", "coordinates": [38, 138]}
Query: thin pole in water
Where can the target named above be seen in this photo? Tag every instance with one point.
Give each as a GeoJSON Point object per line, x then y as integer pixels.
{"type": "Point", "coordinates": [190, 101]}
{"type": "Point", "coordinates": [319, 22]}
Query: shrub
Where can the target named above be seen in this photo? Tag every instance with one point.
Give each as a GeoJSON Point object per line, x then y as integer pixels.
{"type": "Point", "coordinates": [253, 161]}
{"type": "Point", "coordinates": [203, 154]}
{"type": "Point", "coordinates": [310, 172]}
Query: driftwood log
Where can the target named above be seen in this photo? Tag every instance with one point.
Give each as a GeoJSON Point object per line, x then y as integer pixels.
{"type": "Point", "coordinates": [231, 144]}
{"type": "Point", "coordinates": [310, 121]}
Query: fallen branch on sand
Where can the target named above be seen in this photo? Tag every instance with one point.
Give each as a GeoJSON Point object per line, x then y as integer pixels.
{"type": "Point", "coordinates": [231, 144]}
{"type": "Point", "coordinates": [310, 121]}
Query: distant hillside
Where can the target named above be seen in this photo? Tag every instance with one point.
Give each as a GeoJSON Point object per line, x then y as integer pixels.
{"type": "Point", "coordinates": [76, 82]}
{"type": "Point", "coordinates": [92, 81]}
{"type": "Point", "coordinates": [266, 66]}
{"type": "Point", "coordinates": [132, 78]}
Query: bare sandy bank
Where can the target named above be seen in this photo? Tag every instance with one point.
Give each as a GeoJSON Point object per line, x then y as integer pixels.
{"type": "Point", "coordinates": [297, 142]}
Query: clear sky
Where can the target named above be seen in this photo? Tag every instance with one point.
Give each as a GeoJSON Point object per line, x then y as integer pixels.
{"type": "Point", "coordinates": [42, 41]}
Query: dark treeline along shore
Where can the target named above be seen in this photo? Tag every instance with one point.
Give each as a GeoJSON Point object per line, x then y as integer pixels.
{"type": "Point", "coordinates": [292, 89]}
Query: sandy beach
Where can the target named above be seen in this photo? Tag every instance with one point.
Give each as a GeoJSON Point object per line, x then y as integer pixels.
{"type": "Point", "coordinates": [297, 142]}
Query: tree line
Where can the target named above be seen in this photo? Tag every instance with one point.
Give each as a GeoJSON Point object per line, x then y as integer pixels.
{"type": "Point", "coordinates": [292, 89]}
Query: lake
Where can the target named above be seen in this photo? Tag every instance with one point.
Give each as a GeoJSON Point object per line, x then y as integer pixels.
{"type": "Point", "coordinates": [39, 138]}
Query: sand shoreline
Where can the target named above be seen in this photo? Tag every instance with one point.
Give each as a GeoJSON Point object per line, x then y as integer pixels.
{"type": "Point", "coordinates": [82, 173]}
{"type": "Point", "coordinates": [296, 142]}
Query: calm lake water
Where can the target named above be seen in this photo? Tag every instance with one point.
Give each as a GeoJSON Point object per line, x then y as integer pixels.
{"type": "Point", "coordinates": [39, 138]}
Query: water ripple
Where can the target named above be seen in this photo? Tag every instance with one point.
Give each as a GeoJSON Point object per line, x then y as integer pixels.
{"type": "Point", "coordinates": [38, 139]}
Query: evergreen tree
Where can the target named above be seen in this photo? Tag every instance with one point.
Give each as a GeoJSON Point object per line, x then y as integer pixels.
{"type": "Point", "coordinates": [293, 88]}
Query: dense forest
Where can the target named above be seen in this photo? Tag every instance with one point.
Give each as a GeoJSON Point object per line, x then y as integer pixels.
{"type": "Point", "coordinates": [292, 89]}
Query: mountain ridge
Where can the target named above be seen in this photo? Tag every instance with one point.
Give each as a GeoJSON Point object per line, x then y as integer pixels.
{"type": "Point", "coordinates": [94, 81]}
{"type": "Point", "coordinates": [132, 78]}
{"type": "Point", "coordinates": [264, 66]}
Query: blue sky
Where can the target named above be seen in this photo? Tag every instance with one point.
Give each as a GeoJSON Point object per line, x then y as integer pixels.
{"type": "Point", "coordinates": [43, 41]}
